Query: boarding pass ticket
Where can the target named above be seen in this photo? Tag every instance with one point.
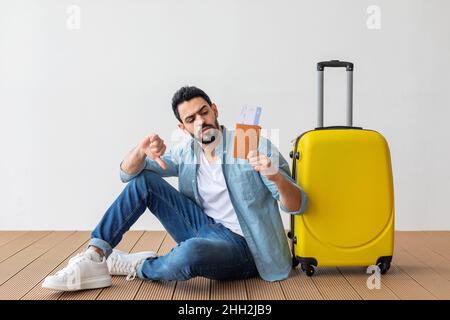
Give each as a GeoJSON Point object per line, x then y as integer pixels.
{"type": "Point", "coordinates": [250, 115]}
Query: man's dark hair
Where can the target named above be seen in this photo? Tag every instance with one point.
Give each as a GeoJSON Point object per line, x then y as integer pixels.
{"type": "Point", "coordinates": [185, 94]}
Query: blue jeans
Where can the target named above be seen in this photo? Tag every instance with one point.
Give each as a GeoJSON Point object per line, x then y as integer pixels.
{"type": "Point", "coordinates": [204, 248]}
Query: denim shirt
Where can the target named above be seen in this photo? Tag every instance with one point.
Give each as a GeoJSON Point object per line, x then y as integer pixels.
{"type": "Point", "coordinates": [253, 196]}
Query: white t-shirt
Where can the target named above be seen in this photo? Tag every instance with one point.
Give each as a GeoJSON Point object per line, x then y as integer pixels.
{"type": "Point", "coordinates": [214, 194]}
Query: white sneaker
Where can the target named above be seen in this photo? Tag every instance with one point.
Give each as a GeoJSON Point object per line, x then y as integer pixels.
{"type": "Point", "coordinates": [125, 264]}
{"type": "Point", "coordinates": [82, 272]}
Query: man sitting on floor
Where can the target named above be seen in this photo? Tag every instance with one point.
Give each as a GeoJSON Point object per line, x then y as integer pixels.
{"type": "Point", "coordinates": [224, 218]}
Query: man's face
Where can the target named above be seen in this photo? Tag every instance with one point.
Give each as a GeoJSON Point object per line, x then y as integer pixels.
{"type": "Point", "coordinates": [199, 119]}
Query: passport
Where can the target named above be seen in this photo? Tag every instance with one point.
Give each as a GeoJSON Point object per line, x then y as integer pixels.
{"type": "Point", "coordinates": [247, 131]}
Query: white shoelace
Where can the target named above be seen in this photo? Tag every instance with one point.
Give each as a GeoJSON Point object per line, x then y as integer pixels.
{"type": "Point", "coordinates": [71, 273]}
{"type": "Point", "coordinates": [125, 267]}
{"type": "Point", "coordinates": [73, 262]}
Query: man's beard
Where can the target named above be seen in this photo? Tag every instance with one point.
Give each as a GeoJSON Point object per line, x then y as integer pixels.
{"type": "Point", "coordinates": [210, 135]}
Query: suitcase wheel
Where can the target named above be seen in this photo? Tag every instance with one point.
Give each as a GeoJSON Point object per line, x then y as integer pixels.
{"type": "Point", "coordinates": [384, 267]}
{"type": "Point", "coordinates": [308, 269]}
{"type": "Point", "coordinates": [295, 262]}
{"type": "Point", "coordinates": [384, 263]}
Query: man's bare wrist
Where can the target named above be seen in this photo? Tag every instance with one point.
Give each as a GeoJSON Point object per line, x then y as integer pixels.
{"type": "Point", "coordinates": [141, 153]}
{"type": "Point", "coordinates": [276, 177]}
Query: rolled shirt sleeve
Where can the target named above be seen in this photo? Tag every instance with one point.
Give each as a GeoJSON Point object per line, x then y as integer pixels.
{"type": "Point", "coordinates": [266, 147]}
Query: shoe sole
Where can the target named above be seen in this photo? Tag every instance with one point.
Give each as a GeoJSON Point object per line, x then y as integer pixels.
{"type": "Point", "coordinates": [88, 284]}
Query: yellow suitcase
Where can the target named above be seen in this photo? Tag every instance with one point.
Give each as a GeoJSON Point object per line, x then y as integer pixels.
{"type": "Point", "coordinates": [346, 172]}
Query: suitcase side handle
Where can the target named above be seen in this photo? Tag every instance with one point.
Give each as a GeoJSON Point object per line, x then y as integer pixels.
{"type": "Point", "coordinates": [335, 64]}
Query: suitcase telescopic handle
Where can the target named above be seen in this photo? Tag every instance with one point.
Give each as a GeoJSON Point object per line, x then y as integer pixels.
{"type": "Point", "coordinates": [335, 64]}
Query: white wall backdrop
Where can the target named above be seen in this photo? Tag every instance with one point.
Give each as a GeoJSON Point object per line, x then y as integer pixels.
{"type": "Point", "coordinates": [74, 101]}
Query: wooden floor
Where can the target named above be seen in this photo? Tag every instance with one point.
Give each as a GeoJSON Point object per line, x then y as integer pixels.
{"type": "Point", "coordinates": [421, 270]}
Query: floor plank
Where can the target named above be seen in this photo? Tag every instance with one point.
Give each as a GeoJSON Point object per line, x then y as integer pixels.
{"type": "Point", "coordinates": [357, 277]}
{"type": "Point", "coordinates": [14, 264]}
{"type": "Point", "coordinates": [7, 236]}
{"type": "Point", "coordinates": [332, 285]}
{"type": "Point", "coordinates": [19, 285]}
{"type": "Point", "coordinates": [411, 242]}
{"type": "Point", "coordinates": [404, 286]}
{"type": "Point", "coordinates": [128, 241]}
{"type": "Point", "coordinates": [300, 287]}
{"type": "Point", "coordinates": [19, 243]}
{"type": "Point", "coordinates": [432, 281]}
{"type": "Point", "coordinates": [439, 242]}
{"type": "Point", "coordinates": [193, 289]}
{"type": "Point", "coordinates": [259, 289]}
{"type": "Point", "coordinates": [228, 290]}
